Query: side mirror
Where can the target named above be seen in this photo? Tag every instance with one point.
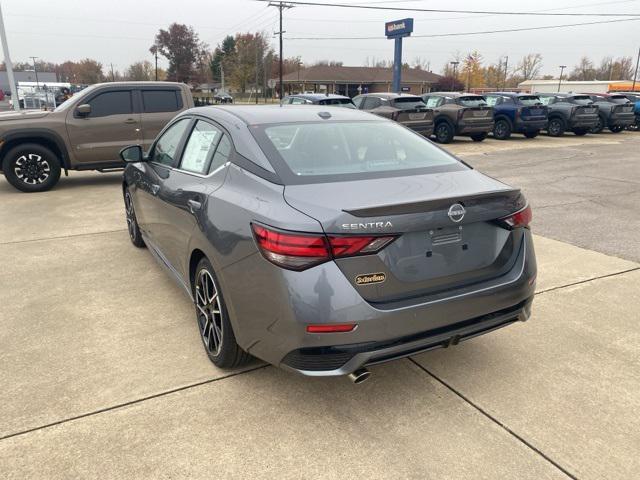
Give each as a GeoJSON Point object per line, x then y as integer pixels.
{"type": "Point", "coordinates": [84, 109]}
{"type": "Point", "coordinates": [132, 154]}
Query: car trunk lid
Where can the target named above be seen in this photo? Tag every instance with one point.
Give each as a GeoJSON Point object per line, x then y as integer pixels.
{"type": "Point", "coordinates": [436, 247]}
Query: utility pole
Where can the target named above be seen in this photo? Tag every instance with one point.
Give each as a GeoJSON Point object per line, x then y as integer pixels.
{"type": "Point", "coordinates": [9, 65]}
{"type": "Point", "coordinates": [113, 77]}
{"type": "Point", "coordinates": [257, 70]}
{"type": "Point", "coordinates": [281, 6]}
{"type": "Point", "coordinates": [155, 54]}
{"type": "Point", "coordinates": [633, 88]}
{"type": "Point", "coordinates": [506, 71]}
{"type": "Point", "coordinates": [562, 67]}
{"type": "Point", "coordinates": [222, 78]}
{"type": "Point", "coordinates": [35, 69]}
{"type": "Point", "coordinates": [454, 78]}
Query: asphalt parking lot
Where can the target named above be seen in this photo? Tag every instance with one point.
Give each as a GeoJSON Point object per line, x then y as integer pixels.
{"type": "Point", "coordinates": [103, 374]}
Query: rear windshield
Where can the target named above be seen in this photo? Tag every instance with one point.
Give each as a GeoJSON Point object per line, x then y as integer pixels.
{"type": "Point", "coordinates": [583, 100]}
{"type": "Point", "coordinates": [409, 103]}
{"type": "Point", "coordinates": [335, 151]}
{"type": "Point", "coordinates": [472, 101]}
{"type": "Point", "coordinates": [618, 99]}
{"type": "Point", "coordinates": [530, 100]}
{"type": "Point", "coordinates": [339, 102]}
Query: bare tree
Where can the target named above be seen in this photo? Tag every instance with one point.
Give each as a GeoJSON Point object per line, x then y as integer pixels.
{"type": "Point", "coordinates": [530, 65]}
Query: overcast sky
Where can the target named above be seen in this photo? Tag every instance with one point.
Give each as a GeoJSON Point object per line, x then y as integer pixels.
{"type": "Point", "coordinates": [120, 32]}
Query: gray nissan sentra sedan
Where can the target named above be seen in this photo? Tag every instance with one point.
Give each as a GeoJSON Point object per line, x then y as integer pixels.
{"type": "Point", "coordinates": [326, 240]}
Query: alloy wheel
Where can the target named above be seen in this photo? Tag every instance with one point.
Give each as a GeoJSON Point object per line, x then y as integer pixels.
{"type": "Point", "coordinates": [131, 217]}
{"type": "Point", "coordinates": [554, 128]}
{"type": "Point", "coordinates": [32, 169]}
{"type": "Point", "coordinates": [209, 312]}
{"type": "Point", "coordinates": [442, 133]}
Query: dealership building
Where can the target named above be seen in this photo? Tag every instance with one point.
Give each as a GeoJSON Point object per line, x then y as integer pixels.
{"type": "Point", "coordinates": [352, 81]}
{"type": "Point", "coordinates": [28, 76]}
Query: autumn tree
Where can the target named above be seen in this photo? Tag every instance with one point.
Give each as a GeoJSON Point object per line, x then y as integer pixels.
{"type": "Point", "coordinates": [223, 58]}
{"type": "Point", "coordinates": [618, 69]}
{"type": "Point", "coordinates": [140, 71]}
{"type": "Point", "coordinates": [530, 65]}
{"type": "Point", "coordinates": [472, 73]}
{"type": "Point", "coordinates": [180, 45]}
{"type": "Point", "coordinates": [448, 84]}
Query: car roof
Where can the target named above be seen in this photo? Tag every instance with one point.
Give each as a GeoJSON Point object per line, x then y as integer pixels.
{"type": "Point", "coordinates": [270, 114]}
{"type": "Point", "coordinates": [453, 94]}
{"type": "Point", "coordinates": [512, 94]}
{"type": "Point", "coordinates": [317, 96]}
{"type": "Point", "coordinates": [389, 95]}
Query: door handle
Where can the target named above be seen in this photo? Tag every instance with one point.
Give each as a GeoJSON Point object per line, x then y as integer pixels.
{"type": "Point", "coordinates": [194, 205]}
{"type": "Point", "coordinates": [130, 121]}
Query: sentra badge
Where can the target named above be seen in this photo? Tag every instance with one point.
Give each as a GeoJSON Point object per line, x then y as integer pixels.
{"type": "Point", "coordinates": [369, 278]}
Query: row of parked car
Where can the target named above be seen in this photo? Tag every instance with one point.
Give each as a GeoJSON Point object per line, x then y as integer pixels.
{"type": "Point", "coordinates": [448, 114]}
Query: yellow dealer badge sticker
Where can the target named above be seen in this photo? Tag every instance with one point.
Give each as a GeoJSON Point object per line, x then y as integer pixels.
{"type": "Point", "coordinates": [369, 278]}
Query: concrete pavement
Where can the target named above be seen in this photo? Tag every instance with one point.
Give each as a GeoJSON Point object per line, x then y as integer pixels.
{"type": "Point", "coordinates": [103, 374]}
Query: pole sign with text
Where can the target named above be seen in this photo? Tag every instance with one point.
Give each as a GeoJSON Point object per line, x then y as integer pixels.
{"type": "Point", "coordinates": [396, 30]}
{"type": "Point", "coordinates": [399, 28]}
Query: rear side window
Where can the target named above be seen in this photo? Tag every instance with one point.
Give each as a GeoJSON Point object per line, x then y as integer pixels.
{"type": "Point", "coordinates": [582, 100]}
{"type": "Point", "coordinates": [491, 101]}
{"type": "Point", "coordinates": [371, 102]}
{"type": "Point", "coordinates": [223, 152]}
{"type": "Point", "coordinates": [548, 100]}
{"type": "Point", "coordinates": [618, 99]}
{"type": "Point", "coordinates": [111, 103]}
{"type": "Point", "coordinates": [199, 148]}
{"type": "Point", "coordinates": [298, 101]}
{"type": "Point", "coordinates": [409, 102]}
{"type": "Point", "coordinates": [529, 100]}
{"type": "Point", "coordinates": [155, 101]}
{"type": "Point", "coordinates": [358, 101]}
{"type": "Point", "coordinates": [164, 152]}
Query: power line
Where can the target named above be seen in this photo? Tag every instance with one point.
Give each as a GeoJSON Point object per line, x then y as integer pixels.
{"type": "Point", "coordinates": [484, 32]}
{"type": "Point", "coordinates": [474, 12]}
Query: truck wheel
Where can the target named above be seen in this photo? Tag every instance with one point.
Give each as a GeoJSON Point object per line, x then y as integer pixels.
{"type": "Point", "coordinates": [30, 167]}
{"type": "Point", "coordinates": [532, 134]}
{"type": "Point", "coordinates": [502, 129]}
{"type": "Point", "coordinates": [556, 127]}
{"type": "Point", "coordinates": [616, 128]}
{"type": "Point", "coordinates": [478, 137]}
{"type": "Point", "coordinates": [598, 127]}
{"type": "Point", "coordinates": [581, 131]}
{"type": "Point", "coordinates": [444, 133]}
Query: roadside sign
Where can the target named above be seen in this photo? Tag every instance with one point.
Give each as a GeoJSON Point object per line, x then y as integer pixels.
{"type": "Point", "coordinates": [406, 89]}
{"type": "Point", "coordinates": [399, 28]}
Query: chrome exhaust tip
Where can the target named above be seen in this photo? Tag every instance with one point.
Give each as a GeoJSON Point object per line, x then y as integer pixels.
{"type": "Point", "coordinates": [359, 376]}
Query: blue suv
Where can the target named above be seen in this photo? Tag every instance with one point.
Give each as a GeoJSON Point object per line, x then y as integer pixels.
{"type": "Point", "coordinates": [517, 113]}
{"type": "Point", "coordinates": [635, 98]}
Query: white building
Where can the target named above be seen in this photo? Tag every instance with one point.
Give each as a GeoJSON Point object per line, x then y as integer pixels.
{"type": "Point", "coordinates": [551, 86]}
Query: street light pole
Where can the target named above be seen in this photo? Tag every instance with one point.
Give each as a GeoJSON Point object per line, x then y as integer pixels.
{"type": "Point", "coordinates": [562, 67]}
{"type": "Point", "coordinates": [633, 88]}
{"type": "Point", "coordinates": [7, 60]}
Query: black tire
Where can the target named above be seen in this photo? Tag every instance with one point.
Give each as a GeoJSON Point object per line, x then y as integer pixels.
{"type": "Point", "coordinates": [132, 223]}
{"type": "Point", "coordinates": [478, 137]}
{"type": "Point", "coordinates": [532, 134]}
{"type": "Point", "coordinates": [502, 129]}
{"type": "Point", "coordinates": [598, 127]}
{"type": "Point", "coordinates": [616, 128]}
{"type": "Point", "coordinates": [444, 132]}
{"type": "Point", "coordinates": [581, 131]}
{"type": "Point", "coordinates": [30, 167]}
{"type": "Point", "coordinates": [208, 298]}
{"type": "Point", "coordinates": [557, 126]}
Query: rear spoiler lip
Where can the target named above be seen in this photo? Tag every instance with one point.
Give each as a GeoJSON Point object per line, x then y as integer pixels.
{"type": "Point", "coordinates": [429, 205]}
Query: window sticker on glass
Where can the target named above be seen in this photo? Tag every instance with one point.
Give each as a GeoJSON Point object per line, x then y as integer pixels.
{"type": "Point", "coordinates": [202, 141]}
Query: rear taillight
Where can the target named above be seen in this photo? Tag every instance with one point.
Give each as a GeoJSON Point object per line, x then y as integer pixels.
{"type": "Point", "coordinates": [299, 251]}
{"type": "Point", "coordinates": [522, 218]}
{"type": "Point", "coordinates": [331, 328]}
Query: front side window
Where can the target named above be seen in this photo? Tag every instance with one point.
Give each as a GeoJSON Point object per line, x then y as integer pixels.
{"type": "Point", "coordinates": [433, 102]}
{"type": "Point", "coordinates": [199, 148]}
{"type": "Point", "coordinates": [154, 101]}
{"type": "Point", "coordinates": [111, 103]}
{"type": "Point", "coordinates": [338, 150]}
{"type": "Point", "coordinates": [582, 100]}
{"type": "Point", "coordinates": [492, 101]}
{"type": "Point", "coordinates": [298, 101]}
{"type": "Point", "coordinates": [529, 100]}
{"type": "Point", "coordinates": [165, 149]}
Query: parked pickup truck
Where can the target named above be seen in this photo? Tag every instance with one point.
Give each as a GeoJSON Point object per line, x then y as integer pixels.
{"type": "Point", "coordinates": [404, 108]}
{"type": "Point", "coordinates": [615, 112]}
{"type": "Point", "coordinates": [634, 97]}
{"type": "Point", "coordinates": [459, 114]}
{"type": "Point", "coordinates": [569, 111]}
{"type": "Point", "coordinates": [86, 132]}
{"type": "Point", "coordinates": [517, 113]}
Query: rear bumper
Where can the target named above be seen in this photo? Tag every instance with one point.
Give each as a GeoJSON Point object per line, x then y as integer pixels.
{"type": "Point", "coordinates": [623, 119]}
{"type": "Point", "coordinates": [587, 122]}
{"type": "Point", "coordinates": [270, 323]}
{"type": "Point", "coordinates": [530, 125]}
